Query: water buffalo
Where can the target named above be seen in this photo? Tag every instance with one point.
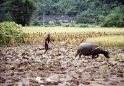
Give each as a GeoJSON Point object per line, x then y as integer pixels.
{"type": "Point", "coordinates": [88, 49]}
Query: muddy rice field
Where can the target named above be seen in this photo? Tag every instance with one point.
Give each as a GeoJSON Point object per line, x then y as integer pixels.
{"type": "Point", "coordinates": [27, 66]}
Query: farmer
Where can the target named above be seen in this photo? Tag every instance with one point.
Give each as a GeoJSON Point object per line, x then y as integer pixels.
{"type": "Point", "coordinates": [47, 41]}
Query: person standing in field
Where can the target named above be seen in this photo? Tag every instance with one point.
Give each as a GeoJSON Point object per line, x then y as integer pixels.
{"type": "Point", "coordinates": [47, 41]}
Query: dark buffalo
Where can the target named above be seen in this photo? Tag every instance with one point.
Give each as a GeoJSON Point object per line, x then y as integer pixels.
{"type": "Point", "coordinates": [88, 49]}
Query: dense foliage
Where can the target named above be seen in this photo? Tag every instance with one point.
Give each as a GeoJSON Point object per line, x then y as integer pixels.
{"type": "Point", "coordinates": [11, 30]}
{"type": "Point", "coordinates": [75, 7]}
{"type": "Point", "coordinates": [115, 18]}
{"type": "Point", "coordinates": [3, 13]}
{"type": "Point", "coordinates": [21, 10]}
{"type": "Point", "coordinates": [86, 11]}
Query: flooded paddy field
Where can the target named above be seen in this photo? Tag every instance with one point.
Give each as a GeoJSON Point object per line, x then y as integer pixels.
{"type": "Point", "coordinates": [28, 66]}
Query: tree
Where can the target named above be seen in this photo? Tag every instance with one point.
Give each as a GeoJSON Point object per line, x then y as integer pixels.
{"type": "Point", "coordinates": [3, 13]}
{"type": "Point", "coordinates": [86, 11]}
{"type": "Point", "coordinates": [115, 18]}
{"type": "Point", "coordinates": [21, 11]}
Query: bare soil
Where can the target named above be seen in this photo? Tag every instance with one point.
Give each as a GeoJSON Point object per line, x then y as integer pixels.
{"type": "Point", "coordinates": [28, 66]}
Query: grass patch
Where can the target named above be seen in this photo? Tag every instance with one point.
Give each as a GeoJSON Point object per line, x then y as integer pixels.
{"type": "Point", "coordinates": [112, 37]}
{"type": "Point", "coordinates": [108, 41]}
{"type": "Point", "coordinates": [70, 29]}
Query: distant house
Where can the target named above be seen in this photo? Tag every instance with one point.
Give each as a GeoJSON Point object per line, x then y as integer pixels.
{"type": "Point", "coordinates": [57, 18]}
{"type": "Point", "coordinates": [66, 19]}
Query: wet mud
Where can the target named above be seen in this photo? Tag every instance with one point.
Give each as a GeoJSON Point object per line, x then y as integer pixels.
{"type": "Point", "coordinates": [28, 66]}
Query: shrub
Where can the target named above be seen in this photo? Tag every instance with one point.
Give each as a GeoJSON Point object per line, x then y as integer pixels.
{"type": "Point", "coordinates": [65, 25]}
{"type": "Point", "coordinates": [57, 23]}
{"type": "Point", "coordinates": [35, 23]}
{"type": "Point", "coordinates": [83, 25]}
{"type": "Point", "coordinates": [85, 20]}
{"type": "Point", "coordinates": [10, 30]}
{"type": "Point", "coordinates": [72, 25]}
{"type": "Point", "coordinates": [114, 20]}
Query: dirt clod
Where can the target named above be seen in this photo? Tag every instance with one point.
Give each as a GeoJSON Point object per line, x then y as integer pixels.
{"type": "Point", "coordinates": [20, 66]}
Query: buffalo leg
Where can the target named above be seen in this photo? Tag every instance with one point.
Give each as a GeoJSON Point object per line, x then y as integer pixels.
{"type": "Point", "coordinates": [80, 54]}
{"type": "Point", "coordinates": [94, 56]}
{"type": "Point", "coordinates": [77, 53]}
